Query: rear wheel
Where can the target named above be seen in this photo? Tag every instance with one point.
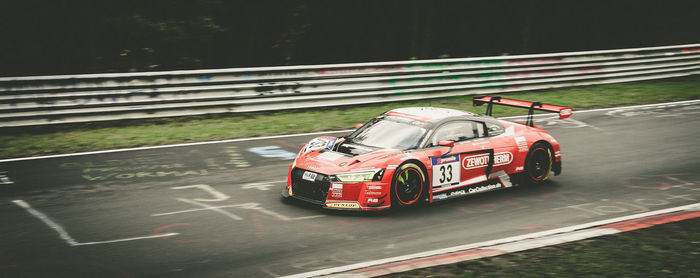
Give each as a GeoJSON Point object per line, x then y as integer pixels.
{"type": "Point", "coordinates": [538, 163]}
{"type": "Point", "coordinates": [408, 185]}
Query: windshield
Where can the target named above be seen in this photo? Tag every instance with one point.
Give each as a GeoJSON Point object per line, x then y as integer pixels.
{"type": "Point", "coordinates": [388, 133]}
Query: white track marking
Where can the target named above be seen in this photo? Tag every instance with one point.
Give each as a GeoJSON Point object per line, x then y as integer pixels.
{"type": "Point", "coordinates": [126, 239]}
{"type": "Point", "coordinates": [304, 134]}
{"type": "Point", "coordinates": [497, 242]}
{"type": "Point", "coordinates": [208, 207]}
{"type": "Point", "coordinates": [4, 179]}
{"type": "Point", "coordinates": [53, 225]}
{"type": "Point", "coordinates": [218, 196]}
{"type": "Point", "coordinates": [261, 185]}
{"type": "Point", "coordinates": [66, 237]}
{"type": "Point", "coordinates": [249, 206]}
{"type": "Point", "coordinates": [202, 209]}
{"type": "Point", "coordinates": [257, 207]}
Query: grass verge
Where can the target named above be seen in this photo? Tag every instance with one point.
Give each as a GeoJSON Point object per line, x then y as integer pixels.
{"type": "Point", "coordinates": [43, 140]}
{"type": "Point", "coordinates": [668, 250]}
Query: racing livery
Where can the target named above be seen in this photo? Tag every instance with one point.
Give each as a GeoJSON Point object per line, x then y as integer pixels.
{"type": "Point", "coordinates": [413, 155]}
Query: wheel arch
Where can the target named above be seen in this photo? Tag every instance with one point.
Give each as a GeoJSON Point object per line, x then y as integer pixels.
{"type": "Point", "coordinates": [556, 165]}
{"type": "Point", "coordinates": [426, 176]}
{"type": "Point", "coordinates": [422, 167]}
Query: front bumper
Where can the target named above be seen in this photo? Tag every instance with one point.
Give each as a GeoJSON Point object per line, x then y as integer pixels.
{"type": "Point", "coordinates": [337, 195]}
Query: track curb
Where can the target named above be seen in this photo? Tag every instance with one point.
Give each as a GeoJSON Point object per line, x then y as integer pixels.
{"type": "Point", "coordinates": [508, 245]}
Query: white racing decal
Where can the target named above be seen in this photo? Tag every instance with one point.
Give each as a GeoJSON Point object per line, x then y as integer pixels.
{"type": "Point", "coordinates": [496, 184]}
{"type": "Point", "coordinates": [343, 205]}
{"type": "Point", "coordinates": [337, 190]}
{"type": "Point", "coordinates": [521, 142]}
{"type": "Point", "coordinates": [504, 178]}
{"type": "Point", "coordinates": [482, 160]}
{"type": "Point", "coordinates": [484, 188]}
{"type": "Point", "coordinates": [309, 176]}
{"type": "Point", "coordinates": [566, 112]}
{"type": "Point", "coordinates": [320, 143]}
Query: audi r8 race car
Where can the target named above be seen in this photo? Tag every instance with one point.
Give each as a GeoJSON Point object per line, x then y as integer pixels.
{"type": "Point", "coordinates": [408, 156]}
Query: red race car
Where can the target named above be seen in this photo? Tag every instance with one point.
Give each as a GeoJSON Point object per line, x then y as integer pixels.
{"type": "Point", "coordinates": [408, 156]}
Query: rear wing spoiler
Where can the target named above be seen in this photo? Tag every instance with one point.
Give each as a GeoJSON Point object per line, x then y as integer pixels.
{"type": "Point", "coordinates": [563, 111]}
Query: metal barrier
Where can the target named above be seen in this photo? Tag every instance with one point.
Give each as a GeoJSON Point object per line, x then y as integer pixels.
{"type": "Point", "coordinates": [38, 100]}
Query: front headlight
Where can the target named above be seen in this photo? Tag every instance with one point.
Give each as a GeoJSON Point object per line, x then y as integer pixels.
{"type": "Point", "coordinates": [361, 176]}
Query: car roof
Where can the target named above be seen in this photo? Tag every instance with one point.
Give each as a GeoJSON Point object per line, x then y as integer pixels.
{"type": "Point", "coordinates": [427, 114]}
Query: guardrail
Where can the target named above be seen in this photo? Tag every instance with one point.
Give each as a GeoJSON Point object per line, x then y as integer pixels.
{"type": "Point", "coordinates": [38, 100]}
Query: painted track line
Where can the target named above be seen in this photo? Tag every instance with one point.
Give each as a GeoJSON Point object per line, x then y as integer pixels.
{"type": "Point", "coordinates": [70, 240]}
{"type": "Point", "coordinates": [508, 245]}
{"type": "Point", "coordinates": [305, 134]}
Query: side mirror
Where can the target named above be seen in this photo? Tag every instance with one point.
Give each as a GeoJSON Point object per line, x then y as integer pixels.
{"type": "Point", "coordinates": [449, 144]}
{"type": "Point", "coordinates": [358, 126]}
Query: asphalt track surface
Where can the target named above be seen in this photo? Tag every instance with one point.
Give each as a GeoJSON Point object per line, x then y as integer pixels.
{"type": "Point", "coordinates": [214, 210]}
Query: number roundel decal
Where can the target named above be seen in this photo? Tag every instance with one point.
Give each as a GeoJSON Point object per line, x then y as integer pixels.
{"type": "Point", "coordinates": [446, 170]}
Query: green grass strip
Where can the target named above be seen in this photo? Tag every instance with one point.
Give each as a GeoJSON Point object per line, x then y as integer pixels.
{"type": "Point", "coordinates": [44, 140]}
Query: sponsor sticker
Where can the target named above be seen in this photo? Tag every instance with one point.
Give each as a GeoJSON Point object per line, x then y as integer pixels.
{"type": "Point", "coordinates": [482, 160]}
{"type": "Point", "coordinates": [446, 170]}
{"type": "Point", "coordinates": [317, 144]}
{"type": "Point", "coordinates": [484, 188]}
{"type": "Point", "coordinates": [480, 142]}
{"type": "Point", "coordinates": [331, 143]}
{"type": "Point", "coordinates": [469, 191]}
{"type": "Point", "coordinates": [309, 176]}
{"type": "Point", "coordinates": [442, 196]}
{"type": "Point", "coordinates": [565, 113]}
{"type": "Point", "coordinates": [521, 142]}
{"type": "Point", "coordinates": [374, 187]}
{"type": "Point", "coordinates": [337, 190]}
{"type": "Point", "coordinates": [446, 159]}
{"type": "Point", "coordinates": [343, 205]}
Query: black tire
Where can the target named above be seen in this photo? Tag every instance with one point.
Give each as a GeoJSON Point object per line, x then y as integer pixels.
{"type": "Point", "coordinates": [538, 163]}
{"type": "Point", "coordinates": [408, 185]}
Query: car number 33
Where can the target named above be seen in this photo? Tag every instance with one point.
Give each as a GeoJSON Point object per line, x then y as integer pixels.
{"type": "Point", "coordinates": [446, 174]}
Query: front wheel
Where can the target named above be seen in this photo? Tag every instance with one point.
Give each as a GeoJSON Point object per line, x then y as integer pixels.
{"type": "Point", "coordinates": [408, 185]}
{"type": "Point", "coordinates": [538, 163]}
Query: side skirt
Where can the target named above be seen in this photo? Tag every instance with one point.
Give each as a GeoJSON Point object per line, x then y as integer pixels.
{"type": "Point", "coordinates": [496, 181]}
